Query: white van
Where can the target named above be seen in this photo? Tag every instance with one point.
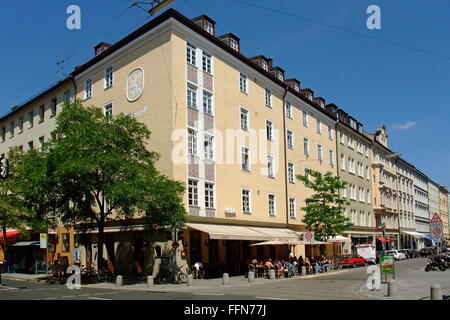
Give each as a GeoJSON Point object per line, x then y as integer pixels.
{"type": "Point", "coordinates": [367, 251]}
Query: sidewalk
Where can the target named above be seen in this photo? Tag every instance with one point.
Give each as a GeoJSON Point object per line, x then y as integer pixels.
{"type": "Point", "coordinates": [40, 278]}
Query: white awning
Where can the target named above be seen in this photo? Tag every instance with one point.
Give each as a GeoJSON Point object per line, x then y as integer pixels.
{"type": "Point", "coordinates": [232, 232]}
{"type": "Point", "coordinates": [25, 244]}
{"type": "Point", "coordinates": [415, 234]}
{"type": "Point", "coordinates": [277, 243]}
{"type": "Point", "coordinates": [339, 238]}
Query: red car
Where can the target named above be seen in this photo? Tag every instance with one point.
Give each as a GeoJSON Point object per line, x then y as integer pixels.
{"type": "Point", "coordinates": [348, 260]}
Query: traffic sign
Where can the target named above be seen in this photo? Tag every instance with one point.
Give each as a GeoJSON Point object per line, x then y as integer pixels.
{"type": "Point", "coordinates": [436, 218]}
{"type": "Point", "coordinates": [43, 241]}
{"type": "Point", "coordinates": [437, 231]}
{"type": "Point", "coordinates": [308, 236]}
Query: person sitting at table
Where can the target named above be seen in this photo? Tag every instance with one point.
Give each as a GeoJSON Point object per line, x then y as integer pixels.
{"type": "Point", "coordinates": [325, 263]}
{"type": "Point", "coordinates": [307, 265]}
{"type": "Point", "coordinates": [291, 268]}
{"type": "Point", "coordinates": [315, 263]}
{"type": "Point", "coordinates": [269, 264]}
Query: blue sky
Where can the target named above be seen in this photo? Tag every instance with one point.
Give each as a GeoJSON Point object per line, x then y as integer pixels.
{"type": "Point", "coordinates": [376, 82]}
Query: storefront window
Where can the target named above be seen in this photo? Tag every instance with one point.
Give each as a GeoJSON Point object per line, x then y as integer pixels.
{"type": "Point", "coordinates": [65, 242]}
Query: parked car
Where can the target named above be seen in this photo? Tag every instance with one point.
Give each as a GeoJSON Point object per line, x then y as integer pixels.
{"type": "Point", "coordinates": [414, 253]}
{"type": "Point", "coordinates": [427, 251]}
{"type": "Point", "coordinates": [406, 252]}
{"type": "Point", "coordinates": [397, 254]}
{"type": "Point", "coordinates": [348, 260]}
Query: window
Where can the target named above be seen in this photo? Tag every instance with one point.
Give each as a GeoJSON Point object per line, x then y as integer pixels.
{"type": "Point", "coordinates": [209, 195]}
{"type": "Point", "coordinates": [291, 172]}
{"type": "Point", "coordinates": [245, 158]}
{"type": "Point", "coordinates": [208, 147]}
{"type": "Point", "coordinates": [30, 119]}
{"type": "Point", "coordinates": [65, 239]}
{"type": "Point", "coordinates": [367, 173]}
{"type": "Point", "coordinates": [234, 44]}
{"type": "Point", "coordinates": [342, 162]}
{"type": "Point", "coordinates": [306, 146]}
{"type": "Point", "coordinates": [368, 196]}
{"type": "Point", "coordinates": [41, 143]}
{"type": "Point", "coordinates": [67, 96]}
{"type": "Point", "coordinates": [108, 77]}
{"type": "Point", "coordinates": [269, 127]}
{"type": "Point", "coordinates": [344, 192]}
{"type": "Point", "coordinates": [11, 129]}
{"type": "Point", "coordinates": [319, 152]}
{"type": "Point", "coordinates": [292, 207]}
{"type": "Point", "coordinates": [209, 28]}
{"type": "Point", "coordinates": [272, 208]}
{"type": "Point", "coordinates": [3, 134]}
{"type": "Point", "coordinates": [342, 137]}
{"type": "Point", "coordinates": [20, 124]}
{"type": "Point", "coordinates": [191, 57]}
{"type": "Point", "coordinates": [288, 110]}
{"type": "Point", "coordinates": [206, 63]}
{"type": "Point", "coordinates": [305, 118]}
{"type": "Point", "coordinates": [193, 193]}
{"type": "Point", "coordinates": [290, 139]}
{"type": "Point", "coordinates": [246, 201]}
{"type": "Point", "coordinates": [268, 97]}
{"type": "Point", "coordinates": [307, 174]}
{"type": "Point", "coordinates": [244, 119]}
{"type": "Point", "coordinates": [243, 83]}
{"type": "Point", "coordinates": [264, 65]}
{"type": "Point", "coordinates": [192, 142]}
{"type": "Point", "coordinates": [330, 133]}
{"type": "Point", "coordinates": [30, 145]}
{"type": "Point", "coordinates": [108, 110]}
{"type": "Point", "coordinates": [331, 157]}
{"type": "Point", "coordinates": [88, 89]}
{"type": "Point", "coordinates": [192, 96]}
{"type": "Point", "coordinates": [207, 103]}
{"type": "Point", "coordinates": [319, 126]}
{"type": "Point", "coordinates": [53, 103]}
{"type": "Point", "coordinates": [270, 171]}
{"type": "Point", "coordinates": [41, 113]}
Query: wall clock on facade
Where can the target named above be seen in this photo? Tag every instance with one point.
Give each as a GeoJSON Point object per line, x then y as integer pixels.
{"type": "Point", "coordinates": [135, 84]}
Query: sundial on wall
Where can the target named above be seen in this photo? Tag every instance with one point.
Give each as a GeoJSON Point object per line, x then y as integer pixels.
{"type": "Point", "coordinates": [135, 84]}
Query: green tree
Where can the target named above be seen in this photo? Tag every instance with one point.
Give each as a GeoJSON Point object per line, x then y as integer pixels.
{"type": "Point", "coordinates": [324, 209]}
{"type": "Point", "coordinates": [97, 168]}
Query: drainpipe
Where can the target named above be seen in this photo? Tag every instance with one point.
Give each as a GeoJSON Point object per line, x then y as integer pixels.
{"type": "Point", "coordinates": [74, 86]}
{"type": "Point", "coordinates": [286, 88]}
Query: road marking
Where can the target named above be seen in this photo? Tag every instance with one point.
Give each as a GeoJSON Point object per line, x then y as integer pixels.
{"type": "Point", "coordinates": [273, 298]}
{"type": "Point", "coordinates": [208, 294]}
{"type": "Point", "coordinates": [66, 297]}
{"type": "Point", "coordinates": [97, 298]}
{"type": "Point", "coordinates": [51, 298]}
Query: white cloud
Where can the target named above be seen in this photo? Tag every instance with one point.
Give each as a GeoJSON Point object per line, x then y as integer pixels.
{"type": "Point", "coordinates": [404, 126]}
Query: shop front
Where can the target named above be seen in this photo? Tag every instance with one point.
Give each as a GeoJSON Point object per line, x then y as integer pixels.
{"type": "Point", "coordinates": [413, 240]}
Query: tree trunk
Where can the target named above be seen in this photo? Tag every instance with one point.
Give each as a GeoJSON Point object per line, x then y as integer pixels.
{"type": "Point", "coordinates": [5, 247]}
{"type": "Point", "coordinates": [100, 242]}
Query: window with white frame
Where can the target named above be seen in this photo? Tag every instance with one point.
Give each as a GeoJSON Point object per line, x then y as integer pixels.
{"type": "Point", "coordinates": [368, 196]}
{"type": "Point", "coordinates": [109, 77]}
{"type": "Point", "coordinates": [234, 44]}
{"type": "Point", "coordinates": [108, 110]}
{"type": "Point", "coordinates": [292, 208]}
{"type": "Point", "coordinates": [244, 119]}
{"type": "Point", "coordinates": [369, 219]}
{"type": "Point", "coordinates": [307, 174]}
{"type": "Point", "coordinates": [191, 54]}
{"type": "Point", "coordinates": [206, 63]}
{"type": "Point", "coordinates": [342, 137]}
{"type": "Point", "coordinates": [319, 152]}
{"type": "Point", "coordinates": [319, 126]}
{"type": "Point", "coordinates": [264, 65]}
{"type": "Point", "coordinates": [290, 139]}
{"type": "Point", "coordinates": [269, 127]}
{"type": "Point", "coordinates": [306, 147]}
{"type": "Point", "coordinates": [68, 96]}
{"type": "Point", "coordinates": [209, 195]}
{"type": "Point", "coordinates": [207, 103]}
{"type": "Point", "coordinates": [367, 173]}
{"type": "Point", "coordinates": [41, 143]}
{"type": "Point", "coordinates": [272, 209]}
{"type": "Point", "coordinates": [342, 162]}
{"type": "Point", "coordinates": [305, 118]}
{"type": "Point", "coordinates": [11, 129]}
{"type": "Point", "coordinates": [246, 202]}
{"type": "Point", "coordinates": [289, 110]}
{"type": "Point", "coordinates": [330, 133]}
{"type": "Point", "coordinates": [193, 192]}
{"type": "Point", "coordinates": [291, 172]}
{"type": "Point", "coordinates": [270, 166]}
{"type": "Point", "coordinates": [41, 113]}
{"type": "Point", "coordinates": [344, 192]}
{"type": "Point", "coordinates": [245, 158]}
{"type": "Point", "coordinates": [362, 218]}
{"type": "Point", "coordinates": [30, 119]}
{"type": "Point", "coordinates": [192, 142]}
{"type": "Point", "coordinates": [208, 147]}
{"type": "Point", "coordinates": [192, 96]}
{"type": "Point", "coordinates": [268, 97]}
{"type": "Point", "coordinates": [53, 104]}
{"type": "Point", "coordinates": [331, 157]}
{"type": "Point", "coordinates": [20, 124]}
{"type": "Point", "coordinates": [243, 83]}
{"type": "Point", "coordinates": [88, 88]}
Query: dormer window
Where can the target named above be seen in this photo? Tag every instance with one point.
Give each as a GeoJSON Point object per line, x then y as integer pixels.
{"type": "Point", "coordinates": [234, 44]}
{"type": "Point", "coordinates": [296, 87]}
{"type": "Point", "coordinates": [264, 65]}
{"type": "Point", "coordinates": [280, 76]}
{"type": "Point", "coordinates": [209, 27]}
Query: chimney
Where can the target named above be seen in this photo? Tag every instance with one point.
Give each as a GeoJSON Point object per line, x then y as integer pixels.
{"type": "Point", "coordinates": [278, 73]}
{"type": "Point", "coordinates": [261, 61]}
{"type": "Point", "coordinates": [307, 93]}
{"type": "Point", "coordinates": [320, 101]}
{"type": "Point", "coordinates": [208, 24]}
{"type": "Point", "coordinates": [102, 46]}
{"type": "Point", "coordinates": [293, 83]}
{"type": "Point", "coordinates": [232, 41]}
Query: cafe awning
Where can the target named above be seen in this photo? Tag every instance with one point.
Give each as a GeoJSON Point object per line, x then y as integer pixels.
{"type": "Point", "coordinates": [277, 243]}
{"type": "Point", "coordinates": [9, 234]}
{"type": "Point", "coordinates": [415, 234]}
{"type": "Point", "coordinates": [26, 244]}
{"type": "Point", "coordinates": [385, 239]}
{"type": "Point", "coordinates": [232, 232]}
{"type": "Point", "coordinates": [340, 239]}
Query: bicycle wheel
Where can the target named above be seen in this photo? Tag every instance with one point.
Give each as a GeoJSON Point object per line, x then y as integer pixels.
{"type": "Point", "coordinates": [182, 277]}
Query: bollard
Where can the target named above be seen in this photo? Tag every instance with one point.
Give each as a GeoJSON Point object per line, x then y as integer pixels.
{"type": "Point", "coordinates": [272, 274]}
{"type": "Point", "coordinates": [251, 276]}
{"type": "Point", "coordinates": [150, 282]}
{"type": "Point", "coordinates": [436, 292]}
{"type": "Point", "coordinates": [392, 288]}
{"type": "Point", "coordinates": [226, 279]}
{"type": "Point", "coordinates": [189, 280]}
{"type": "Point", "coordinates": [303, 270]}
{"type": "Point", "coordinates": [119, 281]}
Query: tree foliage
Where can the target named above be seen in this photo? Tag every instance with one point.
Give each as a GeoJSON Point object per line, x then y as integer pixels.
{"type": "Point", "coordinates": [324, 209]}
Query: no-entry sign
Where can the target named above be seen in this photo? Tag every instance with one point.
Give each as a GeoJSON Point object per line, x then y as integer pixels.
{"type": "Point", "coordinates": [308, 236]}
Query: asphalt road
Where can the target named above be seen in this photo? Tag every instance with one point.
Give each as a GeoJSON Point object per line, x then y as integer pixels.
{"type": "Point", "coordinates": [345, 285]}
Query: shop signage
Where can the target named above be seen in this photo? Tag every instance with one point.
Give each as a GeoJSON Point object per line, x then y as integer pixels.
{"type": "Point", "coordinates": [387, 264]}
{"type": "Point", "coordinates": [43, 240]}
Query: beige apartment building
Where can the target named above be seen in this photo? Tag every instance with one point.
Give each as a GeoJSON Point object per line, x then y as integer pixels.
{"type": "Point", "coordinates": [384, 180]}
{"type": "Point", "coordinates": [405, 189]}
{"type": "Point", "coordinates": [232, 128]}
{"type": "Point", "coordinates": [354, 148]}
{"type": "Point", "coordinates": [443, 213]}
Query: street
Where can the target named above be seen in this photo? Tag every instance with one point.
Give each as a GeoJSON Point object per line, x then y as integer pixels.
{"type": "Point", "coordinates": [413, 283]}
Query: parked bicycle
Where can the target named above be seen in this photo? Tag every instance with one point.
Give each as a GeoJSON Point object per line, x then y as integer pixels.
{"type": "Point", "coordinates": [171, 274]}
